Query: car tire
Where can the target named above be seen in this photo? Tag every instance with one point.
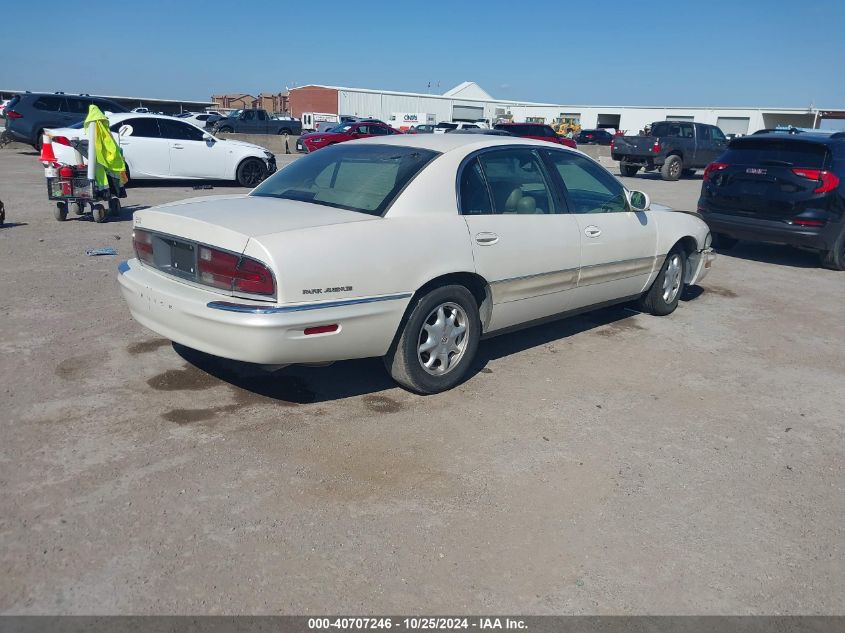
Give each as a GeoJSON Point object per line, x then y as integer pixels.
{"type": "Point", "coordinates": [834, 259]}
{"type": "Point", "coordinates": [663, 296]}
{"type": "Point", "coordinates": [628, 170]}
{"type": "Point", "coordinates": [434, 319]}
{"type": "Point", "coordinates": [251, 172]}
{"type": "Point", "coordinates": [60, 212]}
{"type": "Point", "coordinates": [284, 131]}
{"type": "Point", "coordinates": [39, 137]}
{"type": "Point", "coordinates": [723, 242]}
{"type": "Point", "coordinates": [672, 168]}
{"type": "Point", "coordinates": [99, 213]}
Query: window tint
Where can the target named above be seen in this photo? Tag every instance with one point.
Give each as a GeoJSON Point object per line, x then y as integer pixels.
{"type": "Point", "coordinates": [517, 182]}
{"type": "Point", "coordinates": [475, 197]}
{"type": "Point", "coordinates": [470, 126]}
{"type": "Point", "coordinates": [704, 132]}
{"type": "Point", "coordinates": [179, 131]}
{"type": "Point", "coordinates": [366, 178]}
{"type": "Point", "coordinates": [78, 105]}
{"type": "Point", "coordinates": [717, 134]}
{"type": "Point", "coordinates": [248, 115]}
{"type": "Point", "coordinates": [446, 126]}
{"type": "Point", "coordinates": [362, 129]}
{"type": "Point", "coordinates": [794, 153]}
{"type": "Point", "coordinates": [687, 131]}
{"type": "Point", "coordinates": [590, 189]}
{"type": "Point", "coordinates": [262, 116]}
{"type": "Point", "coordinates": [144, 128]}
{"type": "Point", "coordinates": [108, 106]}
{"type": "Point", "coordinates": [667, 128]}
{"type": "Point", "coordinates": [51, 104]}
{"type": "Point", "coordinates": [378, 130]}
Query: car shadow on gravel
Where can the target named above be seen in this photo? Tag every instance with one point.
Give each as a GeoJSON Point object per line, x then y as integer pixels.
{"type": "Point", "coordinates": [202, 185]}
{"type": "Point", "coordinates": [773, 254]}
{"type": "Point", "coordinates": [301, 384]}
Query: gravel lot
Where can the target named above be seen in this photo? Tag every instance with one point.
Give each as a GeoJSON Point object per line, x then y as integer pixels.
{"type": "Point", "coordinates": [611, 463]}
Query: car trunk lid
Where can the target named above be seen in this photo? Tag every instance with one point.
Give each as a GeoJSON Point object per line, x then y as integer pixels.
{"type": "Point", "coordinates": [228, 222]}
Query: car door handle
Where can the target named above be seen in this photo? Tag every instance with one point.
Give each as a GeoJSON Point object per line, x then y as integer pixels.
{"type": "Point", "coordinates": [592, 231]}
{"type": "Point", "coordinates": [486, 239]}
{"type": "Point", "coordinates": [177, 146]}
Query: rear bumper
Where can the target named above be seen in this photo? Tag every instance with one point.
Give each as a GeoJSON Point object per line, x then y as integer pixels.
{"type": "Point", "coordinates": [774, 231]}
{"type": "Point", "coordinates": [257, 332]}
{"type": "Point", "coordinates": [649, 162]}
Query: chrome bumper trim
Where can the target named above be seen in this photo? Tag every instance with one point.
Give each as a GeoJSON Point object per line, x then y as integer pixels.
{"type": "Point", "coordinates": [228, 306]}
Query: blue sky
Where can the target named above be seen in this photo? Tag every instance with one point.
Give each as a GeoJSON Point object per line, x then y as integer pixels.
{"type": "Point", "coordinates": [713, 52]}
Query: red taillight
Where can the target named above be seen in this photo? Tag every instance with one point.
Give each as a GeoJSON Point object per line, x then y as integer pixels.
{"type": "Point", "coordinates": [11, 114]}
{"type": "Point", "coordinates": [827, 180]}
{"type": "Point", "coordinates": [232, 272]}
{"type": "Point", "coordinates": [322, 329]}
{"type": "Point", "coordinates": [61, 140]}
{"type": "Point", "coordinates": [143, 243]}
{"type": "Point", "coordinates": [708, 171]}
{"type": "Point", "coordinates": [656, 147]}
{"type": "Point", "coordinates": [807, 222]}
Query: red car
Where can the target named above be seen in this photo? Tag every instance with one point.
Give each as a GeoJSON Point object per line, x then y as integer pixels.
{"type": "Point", "coordinates": [536, 131]}
{"type": "Point", "coordinates": [343, 132]}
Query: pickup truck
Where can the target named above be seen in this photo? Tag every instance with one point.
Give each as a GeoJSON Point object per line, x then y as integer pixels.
{"type": "Point", "coordinates": [256, 122]}
{"type": "Point", "coordinates": [673, 147]}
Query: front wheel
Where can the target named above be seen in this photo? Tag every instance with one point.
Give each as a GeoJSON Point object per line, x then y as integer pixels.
{"type": "Point", "coordinates": [438, 342]}
{"type": "Point", "coordinates": [672, 168]}
{"type": "Point", "coordinates": [663, 296]}
{"type": "Point", "coordinates": [251, 172]}
{"type": "Point", "coordinates": [284, 130]}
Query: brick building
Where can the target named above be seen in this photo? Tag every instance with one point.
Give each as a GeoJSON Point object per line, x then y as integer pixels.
{"type": "Point", "coordinates": [270, 101]}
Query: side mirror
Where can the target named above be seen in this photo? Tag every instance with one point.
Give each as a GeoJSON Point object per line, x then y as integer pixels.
{"type": "Point", "coordinates": [208, 138]}
{"type": "Point", "coordinates": [639, 201]}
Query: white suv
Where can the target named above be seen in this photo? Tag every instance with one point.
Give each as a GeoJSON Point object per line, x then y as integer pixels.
{"type": "Point", "coordinates": [443, 126]}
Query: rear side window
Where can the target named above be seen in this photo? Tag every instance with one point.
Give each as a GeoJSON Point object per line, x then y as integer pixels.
{"type": "Point", "coordinates": [517, 182]}
{"type": "Point", "coordinates": [366, 178]}
{"type": "Point", "coordinates": [785, 152]}
{"type": "Point", "coordinates": [178, 130]}
{"type": "Point", "coordinates": [475, 197]}
{"type": "Point", "coordinates": [50, 104]}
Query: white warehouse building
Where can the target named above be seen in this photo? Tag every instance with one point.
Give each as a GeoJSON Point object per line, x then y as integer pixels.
{"type": "Point", "coordinates": [469, 102]}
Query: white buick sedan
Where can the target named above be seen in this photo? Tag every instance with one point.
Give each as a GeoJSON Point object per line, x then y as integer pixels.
{"type": "Point", "coordinates": [412, 248]}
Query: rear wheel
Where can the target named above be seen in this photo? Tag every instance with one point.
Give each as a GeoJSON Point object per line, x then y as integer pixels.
{"type": "Point", "coordinates": [284, 130]}
{"type": "Point", "coordinates": [835, 258]}
{"type": "Point", "coordinates": [438, 342]}
{"type": "Point", "coordinates": [663, 296]}
{"type": "Point", "coordinates": [628, 170]}
{"type": "Point", "coordinates": [723, 242]}
{"type": "Point", "coordinates": [39, 140]}
{"type": "Point", "coordinates": [251, 172]}
{"type": "Point", "coordinates": [672, 168]}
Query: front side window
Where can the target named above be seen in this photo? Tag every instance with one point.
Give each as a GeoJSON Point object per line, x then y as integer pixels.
{"type": "Point", "coordinates": [589, 187]}
{"type": "Point", "coordinates": [249, 115]}
{"type": "Point", "coordinates": [366, 178]}
{"type": "Point", "coordinates": [179, 131]}
{"type": "Point", "coordinates": [144, 128]}
{"type": "Point", "coordinates": [517, 182]}
{"type": "Point", "coordinates": [475, 197]}
{"type": "Point", "coordinates": [262, 116]}
{"type": "Point", "coordinates": [717, 134]}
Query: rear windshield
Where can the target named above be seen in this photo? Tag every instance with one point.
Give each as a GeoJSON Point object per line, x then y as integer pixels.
{"type": "Point", "coordinates": [531, 130]}
{"type": "Point", "coordinates": [789, 153]}
{"type": "Point", "coordinates": [363, 178]}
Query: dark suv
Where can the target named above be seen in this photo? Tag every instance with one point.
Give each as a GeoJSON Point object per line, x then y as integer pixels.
{"type": "Point", "coordinates": [30, 113]}
{"type": "Point", "coordinates": [781, 187]}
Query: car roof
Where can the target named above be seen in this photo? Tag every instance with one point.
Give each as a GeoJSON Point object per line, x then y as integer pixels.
{"type": "Point", "coordinates": [526, 123]}
{"type": "Point", "coordinates": [455, 142]}
{"type": "Point", "coordinates": [824, 138]}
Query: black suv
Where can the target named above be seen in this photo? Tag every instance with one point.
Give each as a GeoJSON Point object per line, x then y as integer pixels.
{"type": "Point", "coordinates": [594, 137]}
{"type": "Point", "coordinates": [30, 113]}
{"type": "Point", "coordinates": [780, 187]}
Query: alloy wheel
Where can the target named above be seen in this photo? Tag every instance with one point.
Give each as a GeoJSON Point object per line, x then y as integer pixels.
{"type": "Point", "coordinates": [443, 339]}
{"type": "Point", "coordinates": [672, 277]}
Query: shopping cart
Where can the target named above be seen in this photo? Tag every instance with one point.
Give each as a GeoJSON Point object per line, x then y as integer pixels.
{"type": "Point", "coordinates": [70, 185]}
